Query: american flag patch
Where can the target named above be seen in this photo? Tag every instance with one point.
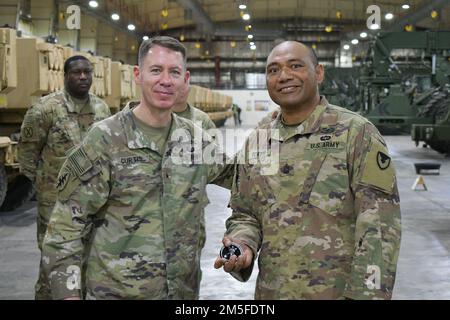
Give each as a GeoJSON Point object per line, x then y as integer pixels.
{"type": "Point", "coordinates": [80, 163]}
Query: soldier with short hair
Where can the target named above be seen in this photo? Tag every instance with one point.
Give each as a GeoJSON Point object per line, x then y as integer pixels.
{"type": "Point", "coordinates": [51, 128]}
{"type": "Point", "coordinates": [183, 109]}
{"type": "Point", "coordinates": [326, 222]}
{"type": "Point", "coordinates": [126, 186]}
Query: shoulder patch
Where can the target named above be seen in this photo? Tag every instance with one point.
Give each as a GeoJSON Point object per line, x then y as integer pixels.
{"type": "Point", "coordinates": [77, 169]}
{"type": "Point", "coordinates": [63, 178]}
{"type": "Point", "coordinates": [383, 160]}
{"type": "Point", "coordinates": [80, 162]}
{"type": "Point", "coordinates": [67, 182]}
{"type": "Point", "coordinates": [378, 168]}
{"type": "Point", "coordinates": [30, 130]}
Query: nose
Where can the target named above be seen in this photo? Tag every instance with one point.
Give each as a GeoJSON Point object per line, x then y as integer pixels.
{"type": "Point", "coordinates": [83, 75]}
{"type": "Point", "coordinates": [166, 79]}
{"type": "Point", "coordinates": [285, 74]}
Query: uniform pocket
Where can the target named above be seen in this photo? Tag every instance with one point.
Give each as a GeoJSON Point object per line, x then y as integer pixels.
{"type": "Point", "coordinates": [326, 184]}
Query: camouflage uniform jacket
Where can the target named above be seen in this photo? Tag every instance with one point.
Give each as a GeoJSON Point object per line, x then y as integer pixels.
{"type": "Point", "coordinates": [50, 129]}
{"type": "Point", "coordinates": [200, 118]}
{"type": "Point", "coordinates": [142, 207]}
{"type": "Point", "coordinates": [327, 222]}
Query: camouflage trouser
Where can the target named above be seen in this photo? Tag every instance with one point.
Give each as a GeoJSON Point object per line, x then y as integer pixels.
{"type": "Point", "coordinates": [42, 287]}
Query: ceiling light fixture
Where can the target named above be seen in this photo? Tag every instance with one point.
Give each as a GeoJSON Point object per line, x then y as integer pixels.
{"type": "Point", "coordinates": [115, 16]}
{"type": "Point", "coordinates": [405, 6]}
{"type": "Point", "coordinates": [375, 26]}
{"type": "Point", "coordinates": [363, 35]}
{"type": "Point", "coordinates": [242, 6]}
{"type": "Point", "coordinates": [246, 16]}
{"type": "Point", "coordinates": [93, 4]}
{"type": "Point", "coordinates": [145, 38]}
{"type": "Point", "coordinates": [346, 47]}
{"type": "Point", "coordinates": [355, 41]}
{"type": "Point", "coordinates": [131, 27]}
{"type": "Point", "coordinates": [389, 16]}
{"type": "Point", "coordinates": [434, 14]}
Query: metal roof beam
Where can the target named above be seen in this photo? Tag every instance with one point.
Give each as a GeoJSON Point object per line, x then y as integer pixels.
{"type": "Point", "coordinates": [198, 14]}
{"type": "Point", "coordinates": [418, 15]}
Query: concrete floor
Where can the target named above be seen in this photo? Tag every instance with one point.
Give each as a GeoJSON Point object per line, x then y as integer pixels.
{"type": "Point", "coordinates": [424, 263]}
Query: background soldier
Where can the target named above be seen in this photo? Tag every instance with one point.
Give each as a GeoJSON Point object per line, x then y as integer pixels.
{"type": "Point", "coordinates": [52, 127]}
{"type": "Point", "coordinates": [183, 109]}
{"type": "Point", "coordinates": [327, 223]}
{"type": "Point", "coordinates": [145, 207]}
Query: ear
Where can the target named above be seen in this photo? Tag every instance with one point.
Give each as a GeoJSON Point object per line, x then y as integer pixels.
{"type": "Point", "coordinates": [187, 77]}
{"type": "Point", "coordinates": [137, 73]}
{"type": "Point", "coordinates": [320, 73]}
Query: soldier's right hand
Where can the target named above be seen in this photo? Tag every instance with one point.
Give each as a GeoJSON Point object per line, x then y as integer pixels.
{"type": "Point", "coordinates": [235, 264]}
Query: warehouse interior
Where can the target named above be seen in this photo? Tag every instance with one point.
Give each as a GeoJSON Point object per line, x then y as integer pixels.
{"type": "Point", "coordinates": [388, 60]}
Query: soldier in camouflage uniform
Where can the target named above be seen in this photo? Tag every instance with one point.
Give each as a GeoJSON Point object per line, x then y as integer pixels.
{"type": "Point", "coordinates": [50, 129]}
{"type": "Point", "coordinates": [326, 221]}
{"type": "Point", "coordinates": [183, 109]}
{"type": "Point", "coordinates": [126, 187]}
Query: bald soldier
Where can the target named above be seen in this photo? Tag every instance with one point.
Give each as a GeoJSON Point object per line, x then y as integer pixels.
{"type": "Point", "coordinates": [50, 129]}
{"type": "Point", "coordinates": [133, 186]}
{"type": "Point", "coordinates": [326, 221]}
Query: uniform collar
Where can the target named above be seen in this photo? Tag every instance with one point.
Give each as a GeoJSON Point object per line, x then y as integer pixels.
{"type": "Point", "coordinates": [310, 125]}
{"type": "Point", "coordinates": [72, 107]}
{"type": "Point", "coordinates": [188, 110]}
{"type": "Point", "coordinates": [136, 139]}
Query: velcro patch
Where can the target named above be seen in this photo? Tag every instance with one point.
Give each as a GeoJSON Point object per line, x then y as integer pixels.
{"type": "Point", "coordinates": [379, 170]}
{"type": "Point", "coordinates": [80, 162]}
{"type": "Point", "coordinates": [133, 160]}
{"type": "Point", "coordinates": [63, 178]}
{"type": "Point", "coordinates": [326, 143]}
{"type": "Point", "coordinates": [29, 131]}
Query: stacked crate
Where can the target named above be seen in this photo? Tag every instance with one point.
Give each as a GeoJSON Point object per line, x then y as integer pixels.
{"type": "Point", "coordinates": [8, 61]}
{"type": "Point", "coordinates": [215, 104]}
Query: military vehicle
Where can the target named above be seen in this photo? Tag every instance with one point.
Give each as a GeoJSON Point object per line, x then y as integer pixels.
{"type": "Point", "coordinates": [437, 134]}
{"type": "Point", "coordinates": [400, 76]}
{"type": "Point", "coordinates": [341, 87]}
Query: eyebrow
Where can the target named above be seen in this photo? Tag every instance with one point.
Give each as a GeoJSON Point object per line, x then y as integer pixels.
{"type": "Point", "coordinates": [290, 61]}
{"type": "Point", "coordinates": [161, 67]}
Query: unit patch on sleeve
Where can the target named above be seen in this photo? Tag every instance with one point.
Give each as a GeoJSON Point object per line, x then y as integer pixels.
{"type": "Point", "coordinates": [383, 160]}
{"type": "Point", "coordinates": [29, 132]}
{"type": "Point", "coordinates": [378, 169]}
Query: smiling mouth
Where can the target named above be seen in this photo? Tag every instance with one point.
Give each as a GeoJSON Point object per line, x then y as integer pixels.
{"type": "Point", "coordinates": [288, 89]}
{"type": "Point", "coordinates": [164, 93]}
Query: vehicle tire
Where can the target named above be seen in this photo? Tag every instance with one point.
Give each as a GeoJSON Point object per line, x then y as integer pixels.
{"type": "Point", "coordinates": [3, 183]}
{"type": "Point", "coordinates": [20, 190]}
